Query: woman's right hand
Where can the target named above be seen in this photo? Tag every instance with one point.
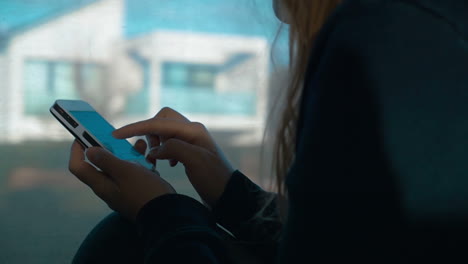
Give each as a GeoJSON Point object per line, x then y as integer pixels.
{"type": "Point", "coordinates": [171, 136]}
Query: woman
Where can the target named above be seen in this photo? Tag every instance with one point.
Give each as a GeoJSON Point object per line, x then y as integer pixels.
{"type": "Point", "coordinates": [377, 89]}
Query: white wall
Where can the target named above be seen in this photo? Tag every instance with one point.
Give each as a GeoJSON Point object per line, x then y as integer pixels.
{"type": "Point", "coordinates": [242, 77]}
{"type": "Point", "coordinates": [86, 35]}
{"type": "Point", "coordinates": [3, 94]}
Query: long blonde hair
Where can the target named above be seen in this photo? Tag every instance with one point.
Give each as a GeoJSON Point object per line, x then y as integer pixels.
{"type": "Point", "coordinates": [306, 19]}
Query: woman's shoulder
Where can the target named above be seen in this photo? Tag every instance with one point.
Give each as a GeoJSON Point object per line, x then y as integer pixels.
{"type": "Point", "coordinates": [384, 41]}
{"type": "Point", "coordinates": [366, 27]}
{"type": "Point", "coordinates": [451, 12]}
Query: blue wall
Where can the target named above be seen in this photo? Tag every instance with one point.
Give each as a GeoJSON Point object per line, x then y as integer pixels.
{"type": "Point", "coordinates": [242, 17]}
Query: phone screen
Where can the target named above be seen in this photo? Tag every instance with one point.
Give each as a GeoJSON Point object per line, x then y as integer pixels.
{"type": "Point", "coordinates": [102, 130]}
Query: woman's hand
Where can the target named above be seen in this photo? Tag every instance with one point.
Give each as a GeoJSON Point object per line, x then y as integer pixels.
{"type": "Point", "coordinates": [126, 187]}
{"type": "Point", "coordinates": [187, 142]}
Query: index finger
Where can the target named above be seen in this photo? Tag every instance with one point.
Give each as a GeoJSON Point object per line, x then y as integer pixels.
{"type": "Point", "coordinates": [162, 127]}
{"type": "Point", "coordinates": [169, 113]}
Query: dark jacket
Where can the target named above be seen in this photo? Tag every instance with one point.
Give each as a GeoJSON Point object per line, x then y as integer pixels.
{"type": "Point", "coordinates": [381, 167]}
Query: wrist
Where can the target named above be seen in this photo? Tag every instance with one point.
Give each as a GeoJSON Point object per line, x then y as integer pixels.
{"type": "Point", "coordinates": [170, 212]}
{"type": "Point", "coordinates": [215, 195]}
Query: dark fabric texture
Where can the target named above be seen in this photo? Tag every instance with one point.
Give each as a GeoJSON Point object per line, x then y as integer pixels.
{"type": "Point", "coordinates": [113, 240]}
{"type": "Point", "coordinates": [178, 229]}
{"type": "Point", "coordinates": [380, 174]}
{"type": "Point", "coordinates": [251, 215]}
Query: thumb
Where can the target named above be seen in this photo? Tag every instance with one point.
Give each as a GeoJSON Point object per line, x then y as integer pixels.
{"type": "Point", "coordinates": [179, 150]}
{"type": "Point", "coordinates": [104, 160]}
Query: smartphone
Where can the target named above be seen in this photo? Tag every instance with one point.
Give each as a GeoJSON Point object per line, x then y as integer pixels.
{"type": "Point", "coordinates": [92, 130]}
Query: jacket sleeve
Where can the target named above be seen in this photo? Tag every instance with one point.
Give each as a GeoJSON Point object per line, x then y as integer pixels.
{"type": "Point", "coordinates": [250, 214]}
{"type": "Point", "coordinates": [178, 229]}
{"type": "Point", "coordinates": [172, 224]}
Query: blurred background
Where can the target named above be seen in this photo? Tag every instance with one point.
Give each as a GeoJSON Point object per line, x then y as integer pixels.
{"type": "Point", "coordinates": [219, 62]}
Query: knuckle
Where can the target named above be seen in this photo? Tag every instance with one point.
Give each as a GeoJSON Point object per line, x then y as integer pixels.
{"type": "Point", "coordinates": [165, 111]}
{"type": "Point", "coordinates": [170, 142]}
{"type": "Point", "coordinates": [166, 108]}
{"type": "Point", "coordinates": [199, 126]}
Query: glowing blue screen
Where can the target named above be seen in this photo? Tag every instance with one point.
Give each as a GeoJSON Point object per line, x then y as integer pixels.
{"type": "Point", "coordinates": [96, 125]}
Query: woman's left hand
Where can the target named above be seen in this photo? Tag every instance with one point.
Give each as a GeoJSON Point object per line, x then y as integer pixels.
{"type": "Point", "coordinates": [125, 186]}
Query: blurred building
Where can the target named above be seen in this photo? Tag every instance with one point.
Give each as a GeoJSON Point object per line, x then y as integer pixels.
{"type": "Point", "coordinates": [82, 52]}
{"type": "Point", "coordinates": [61, 55]}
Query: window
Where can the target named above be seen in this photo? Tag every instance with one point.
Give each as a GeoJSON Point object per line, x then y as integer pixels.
{"type": "Point", "coordinates": [192, 88]}
{"type": "Point", "coordinates": [177, 75]}
{"type": "Point", "coordinates": [47, 81]}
